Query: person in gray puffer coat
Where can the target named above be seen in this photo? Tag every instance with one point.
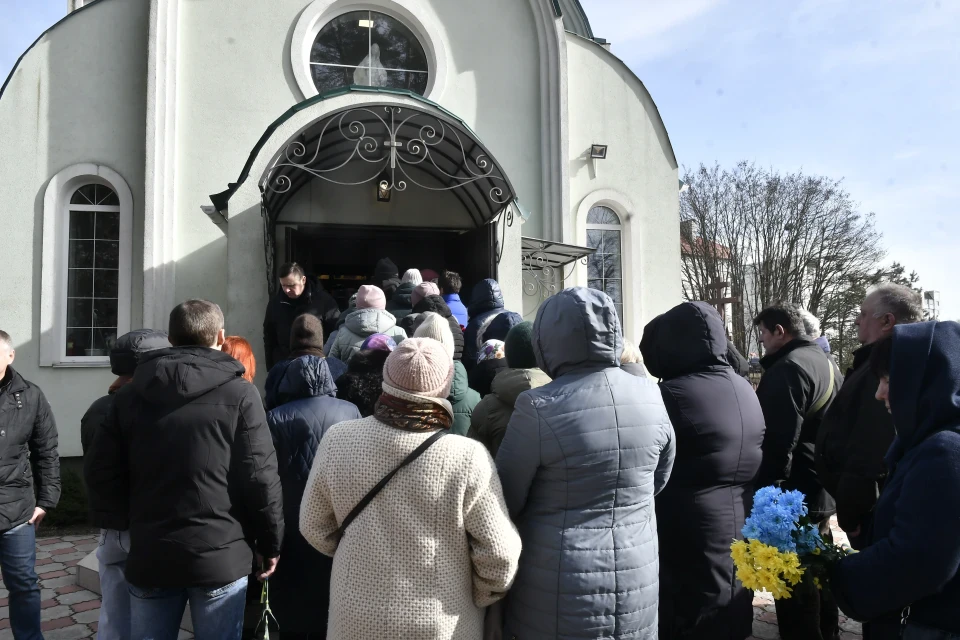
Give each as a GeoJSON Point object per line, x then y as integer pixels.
{"type": "Point", "coordinates": [581, 462]}
{"type": "Point", "coordinates": [369, 318]}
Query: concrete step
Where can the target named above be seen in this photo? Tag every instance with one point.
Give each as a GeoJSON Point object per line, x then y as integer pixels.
{"type": "Point", "coordinates": [88, 577]}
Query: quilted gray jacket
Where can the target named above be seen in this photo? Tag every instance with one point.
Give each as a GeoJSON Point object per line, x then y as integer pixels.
{"type": "Point", "coordinates": [581, 462]}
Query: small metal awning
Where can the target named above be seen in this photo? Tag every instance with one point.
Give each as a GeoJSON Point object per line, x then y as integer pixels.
{"type": "Point", "coordinates": [539, 254]}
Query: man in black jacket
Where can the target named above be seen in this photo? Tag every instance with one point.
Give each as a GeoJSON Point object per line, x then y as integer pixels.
{"type": "Point", "coordinates": [186, 462]}
{"type": "Point", "coordinates": [797, 387]}
{"type": "Point", "coordinates": [857, 430]}
{"type": "Point", "coordinates": [297, 295]}
{"type": "Point", "coordinates": [29, 487]}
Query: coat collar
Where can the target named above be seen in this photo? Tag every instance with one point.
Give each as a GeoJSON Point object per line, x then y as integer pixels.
{"type": "Point", "coordinates": [13, 382]}
{"type": "Point", "coordinates": [768, 361]}
{"type": "Point", "coordinates": [861, 356]}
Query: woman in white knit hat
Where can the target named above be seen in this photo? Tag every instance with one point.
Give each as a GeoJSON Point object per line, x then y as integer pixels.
{"type": "Point", "coordinates": [462, 398]}
{"type": "Point", "coordinates": [435, 546]}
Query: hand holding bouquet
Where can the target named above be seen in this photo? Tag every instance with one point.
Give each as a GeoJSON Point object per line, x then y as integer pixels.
{"type": "Point", "coordinates": [781, 545]}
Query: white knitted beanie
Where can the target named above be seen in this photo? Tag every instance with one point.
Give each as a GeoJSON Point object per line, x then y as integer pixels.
{"type": "Point", "coordinates": [412, 276]}
{"type": "Point", "coordinates": [436, 327]}
{"type": "Point", "coordinates": [418, 369]}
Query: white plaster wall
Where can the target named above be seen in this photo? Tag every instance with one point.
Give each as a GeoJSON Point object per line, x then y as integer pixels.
{"type": "Point", "coordinates": [76, 97]}
{"type": "Point", "coordinates": [607, 104]}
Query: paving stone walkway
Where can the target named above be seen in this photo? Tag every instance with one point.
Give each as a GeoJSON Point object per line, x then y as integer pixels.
{"type": "Point", "coordinates": [70, 612]}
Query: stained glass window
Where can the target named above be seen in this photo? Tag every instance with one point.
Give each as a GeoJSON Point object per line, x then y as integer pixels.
{"type": "Point", "coordinates": [93, 268]}
{"type": "Point", "coordinates": [369, 49]}
{"type": "Point", "coordinates": [605, 267]}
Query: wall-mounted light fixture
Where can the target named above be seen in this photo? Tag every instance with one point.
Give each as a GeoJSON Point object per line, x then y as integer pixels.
{"type": "Point", "coordinates": [598, 151]}
{"type": "Point", "coordinates": [384, 192]}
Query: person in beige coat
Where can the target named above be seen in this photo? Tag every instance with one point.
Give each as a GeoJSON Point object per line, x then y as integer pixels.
{"type": "Point", "coordinates": [436, 545]}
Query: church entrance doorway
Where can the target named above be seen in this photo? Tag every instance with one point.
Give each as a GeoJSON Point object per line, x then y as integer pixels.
{"type": "Point", "coordinates": [343, 257]}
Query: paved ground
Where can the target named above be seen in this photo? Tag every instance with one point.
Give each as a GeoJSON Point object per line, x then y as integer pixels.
{"type": "Point", "coordinates": [71, 612]}
{"type": "Point", "coordinates": [68, 611]}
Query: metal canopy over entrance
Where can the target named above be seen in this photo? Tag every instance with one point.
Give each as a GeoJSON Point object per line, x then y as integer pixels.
{"type": "Point", "coordinates": [392, 148]}
{"type": "Point", "coordinates": [543, 262]}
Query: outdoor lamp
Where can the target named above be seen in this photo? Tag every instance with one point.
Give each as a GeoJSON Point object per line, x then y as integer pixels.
{"type": "Point", "coordinates": [384, 192]}
{"type": "Point", "coordinates": [598, 151]}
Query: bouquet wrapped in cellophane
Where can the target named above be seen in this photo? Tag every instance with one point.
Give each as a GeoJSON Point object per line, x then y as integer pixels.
{"type": "Point", "coordinates": [782, 546]}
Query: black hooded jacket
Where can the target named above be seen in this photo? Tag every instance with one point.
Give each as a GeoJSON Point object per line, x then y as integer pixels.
{"type": "Point", "coordinates": [400, 303]}
{"type": "Point", "coordinates": [719, 426]}
{"type": "Point", "coordinates": [795, 379]}
{"type": "Point", "coordinates": [303, 395]}
{"type": "Point", "coordinates": [186, 462]}
{"type": "Point", "coordinates": [437, 305]}
{"type": "Point", "coordinates": [282, 311]}
{"type": "Point", "coordinates": [29, 462]}
{"type": "Point", "coordinates": [123, 362]}
{"type": "Point", "coordinates": [485, 302]}
{"type": "Point", "coordinates": [362, 384]}
{"type": "Point", "coordinates": [913, 556]}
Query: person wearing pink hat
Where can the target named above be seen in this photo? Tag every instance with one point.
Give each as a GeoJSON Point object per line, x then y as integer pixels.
{"type": "Point", "coordinates": [370, 317]}
{"type": "Point", "coordinates": [427, 550]}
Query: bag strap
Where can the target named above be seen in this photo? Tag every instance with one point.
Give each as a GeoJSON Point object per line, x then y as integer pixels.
{"type": "Point", "coordinates": [426, 444]}
{"type": "Point", "coordinates": [822, 402]}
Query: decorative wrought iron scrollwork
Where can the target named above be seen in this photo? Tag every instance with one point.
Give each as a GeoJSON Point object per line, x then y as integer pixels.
{"type": "Point", "coordinates": [541, 278]}
{"type": "Point", "coordinates": [391, 143]}
{"type": "Point", "coordinates": [269, 244]}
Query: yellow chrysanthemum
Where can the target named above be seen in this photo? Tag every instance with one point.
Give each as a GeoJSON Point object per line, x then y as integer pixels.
{"type": "Point", "coordinates": [760, 566]}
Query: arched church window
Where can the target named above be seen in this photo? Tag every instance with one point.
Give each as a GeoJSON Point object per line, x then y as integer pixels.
{"type": "Point", "coordinates": [93, 272]}
{"type": "Point", "coordinates": [371, 49]}
{"type": "Point", "coordinates": [605, 267]}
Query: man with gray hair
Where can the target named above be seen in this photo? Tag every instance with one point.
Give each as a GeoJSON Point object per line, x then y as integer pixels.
{"type": "Point", "coordinates": [186, 462]}
{"type": "Point", "coordinates": [857, 430]}
{"type": "Point", "coordinates": [29, 487]}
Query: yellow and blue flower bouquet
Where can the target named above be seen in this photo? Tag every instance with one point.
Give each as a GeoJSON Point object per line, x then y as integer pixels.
{"type": "Point", "coordinates": [781, 544]}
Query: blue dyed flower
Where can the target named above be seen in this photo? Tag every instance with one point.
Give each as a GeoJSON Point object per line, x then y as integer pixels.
{"type": "Point", "coordinates": [775, 520]}
{"type": "Point", "coordinates": [808, 539]}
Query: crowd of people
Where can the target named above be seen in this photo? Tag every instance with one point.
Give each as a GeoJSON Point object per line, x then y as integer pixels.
{"type": "Point", "coordinates": [423, 468]}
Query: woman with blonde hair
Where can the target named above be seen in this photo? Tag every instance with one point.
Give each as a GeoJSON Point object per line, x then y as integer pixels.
{"type": "Point", "coordinates": [631, 361]}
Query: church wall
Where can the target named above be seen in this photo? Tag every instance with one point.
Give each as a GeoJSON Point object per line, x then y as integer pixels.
{"type": "Point", "coordinates": [76, 97]}
{"type": "Point", "coordinates": [608, 105]}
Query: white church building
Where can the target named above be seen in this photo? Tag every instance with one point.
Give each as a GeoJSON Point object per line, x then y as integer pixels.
{"type": "Point", "coordinates": [160, 150]}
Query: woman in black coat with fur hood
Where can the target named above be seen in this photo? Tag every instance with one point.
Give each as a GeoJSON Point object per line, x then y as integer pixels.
{"type": "Point", "coordinates": [719, 426]}
{"type": "Point", "coordinates": [362, 384]}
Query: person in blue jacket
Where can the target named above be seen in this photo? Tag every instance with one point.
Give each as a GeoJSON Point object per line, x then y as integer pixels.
{"type": "Point", "coordinates": [302, 403]}
{"type": "Point", "coordinates": [906, 582]}
{"type": "Point", "coordinates": [486, 302]}
{"type": "Point", "coordinates": [450, 284]}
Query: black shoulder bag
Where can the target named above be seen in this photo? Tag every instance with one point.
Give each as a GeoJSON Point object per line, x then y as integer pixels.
{"type": "Point", "coordinates": [416, 453]}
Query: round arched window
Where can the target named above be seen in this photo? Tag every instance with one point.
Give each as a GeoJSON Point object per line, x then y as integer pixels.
{"type": "Point", "coordinates": [369, 49]}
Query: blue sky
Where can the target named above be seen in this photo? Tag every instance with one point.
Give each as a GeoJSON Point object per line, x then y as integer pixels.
{"type": "Point", "coordinates": [864, 90]}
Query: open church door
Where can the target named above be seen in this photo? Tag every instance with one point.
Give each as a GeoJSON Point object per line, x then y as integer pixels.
{"type": "Point", "coordinates": [475, 257]}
